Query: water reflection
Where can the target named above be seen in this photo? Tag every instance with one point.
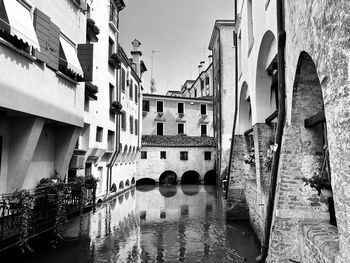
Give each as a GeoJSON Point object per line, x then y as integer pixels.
{"type": "Point", "coordinates": [165, 224]}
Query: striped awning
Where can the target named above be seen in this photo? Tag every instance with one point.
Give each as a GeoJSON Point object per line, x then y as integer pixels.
{"type": "Point", "coordinates": [20, 21]}
{"type": "Point", "coordinates": [71, 56]}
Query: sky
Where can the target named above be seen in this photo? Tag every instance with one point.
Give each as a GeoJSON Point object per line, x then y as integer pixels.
{"type": "Point", "coordinates": [179, 29]}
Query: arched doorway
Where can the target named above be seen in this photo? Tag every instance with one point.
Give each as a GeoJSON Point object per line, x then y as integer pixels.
{"type": "Point", "coordinates": [245, 110]}
{"type": "Point", "coordinates": [190, 177]}
{"type": "Point", "coordinates": [266, 79]}
{"type": "Point", "coordinates": [210, 178]}
{"type": "Point", "coordinates": [121, 185]}
{"type": "Point", "coordinates": [133, 180]}
{"type": "Point", "coordinates": [127, 183]}
{"type": "Point", "coordinates": [168, 178]}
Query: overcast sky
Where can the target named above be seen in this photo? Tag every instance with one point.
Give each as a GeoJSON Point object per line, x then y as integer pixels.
{"type": "Point", "coordinates": [179, 29]}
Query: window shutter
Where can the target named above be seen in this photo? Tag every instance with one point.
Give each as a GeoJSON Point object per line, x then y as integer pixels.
{"type": "Point", "coordinates": [54, 46]}
{"type": "Point", "coordinates": [42, 25]}
{"type": "Point", "coordinates": [85, 55]}
{"type": "Point", "coordinates": [4, 21]}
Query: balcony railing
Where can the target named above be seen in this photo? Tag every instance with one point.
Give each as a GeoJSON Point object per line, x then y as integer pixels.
{"type": "Point", "coordinates": [43, 211]}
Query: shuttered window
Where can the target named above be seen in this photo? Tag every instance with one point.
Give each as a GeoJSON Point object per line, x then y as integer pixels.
{"type": "Point", "coordinates": [131, 86]}
{"type": "Point", "coordinates": [145, 105]}
{"type": "Point", "coordinates": [131, 124]}
{"type": "Point", "coordinates": [85, 55]}
{"type": "Point", "coordinates": [122, 81]}
{"type": "Point", "coordinates": [136, 127]}
{"type": "Point", "coordinates": [136, 93]}
{"type": "Point", "coordinates": [123, 121]}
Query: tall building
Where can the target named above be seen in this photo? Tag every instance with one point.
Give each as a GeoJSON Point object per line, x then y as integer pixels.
{"type": "Point", "coordinates": [223, 55]}
{"type": "Point", "coordinates": [42, 97]}
{"type": "Point", "coordinates": [293, 126]}
{"type": "Point", "coordinates": [177, 140]}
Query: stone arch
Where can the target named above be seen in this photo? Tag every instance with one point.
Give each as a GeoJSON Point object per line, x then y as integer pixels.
{"type": "Point", "coordinates": [265, 95]}
{"type": "Point", "coordinates": [168, 178]}
{"type": "Point", "coordinates": [121, 185]}
{"type": "Point", "coordinates": [146, 181]}
{"type": "Point", "coordinates": [133, 181]}
{"type": "Point", "coordinates": [127, 183]}
{"type": "Point", "coordinates": [245, 110]}
{"type": "Point", "coordinates": [190, 177]}
{"type": "Point", "coordinates": [210, 178]}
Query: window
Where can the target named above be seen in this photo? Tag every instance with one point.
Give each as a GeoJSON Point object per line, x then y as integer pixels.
{"type": "Point", "coordinates": [136, 93]}
{"type": "Point", "coordinates": [184, 156]}
{"type": "Point", "coordinates": [131, 87]}
{"type": "Point", "coordinates": [111, 93]}
{"type": "Point", "coordinates": [206, 80]}
{"type": "Point", "coordinates": [203, 109]}
{"type": "Point", "coordinates": [159, 106]}
{"type": "Point", "coordinates": [136, 127]}
{"type": "Point", "coordinates": [203, 130]}
{"type": "Point", "coordinates": [162, 155]}
{"type": "Point", "coordinates": [110, 47]}
{"type": "Point", "coordinates": [122, 81]}
{"type": "Point", "coordinates": [180, 107]}
{"type": "Point", "coordinates": [159, 128]}
{"type": "Point", "coordinates": [143, 155]}
{"type": "Point", "coordinates": [145, 105]}
{"type": "Point", "coordinates": [207, 156]}
{"type": "Point", "coordinates": [202, 84]}
{"type": "Point", "coordinates": [180, 128]}
{"type": "Point", "coordinates": [99, 134]}
{"type": "Point", "coordinates": [113, 14]}
{"type": "Point", "coordinates": [110, 141]}
{"type": "Point", "coordinates": [123, 121]}
{"type": "Point", "coordinates": [131, 124]}
{"type": "Point", "coordinates": [195, 93]}
{"type": "Point", "coordinates": [250, 25]}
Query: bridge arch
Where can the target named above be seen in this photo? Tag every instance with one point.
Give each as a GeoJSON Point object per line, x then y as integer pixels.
{"type": "Point", "coordinates": [168, 178]}
{"type": "Point", "coordinates": [210, 178]}
{"type": "Point", "coordinates": [190, 177]}
{"type": "Point", "coordinates": [146, 181]}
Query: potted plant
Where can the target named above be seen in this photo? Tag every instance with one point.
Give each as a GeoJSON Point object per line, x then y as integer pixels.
{"type": "Point", "coordinates": [250, 157]}
{"type": "Point", "coordinates": [114, 60]}
{"type": "Point", "coordinates": [91, 182]}
{"type": "Point", "coordinates": [319, 182]}
{"type": "Point", "coordinates": [116, 107]}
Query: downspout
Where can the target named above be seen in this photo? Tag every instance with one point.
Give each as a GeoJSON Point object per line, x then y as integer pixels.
{"type": "Point", "coordinates": [236, 106]}
{"type": "Point", "coordinates": [280, 125]}
{"type": "Point", "coordinates": [220, 107]}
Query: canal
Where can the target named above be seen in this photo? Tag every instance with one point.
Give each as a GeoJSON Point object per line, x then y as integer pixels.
{"type": "Point", "coordinates": [184, 223]}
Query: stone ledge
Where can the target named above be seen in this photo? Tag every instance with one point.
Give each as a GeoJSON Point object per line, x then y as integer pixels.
{"type": "Point", "coordinates": [319, 241]}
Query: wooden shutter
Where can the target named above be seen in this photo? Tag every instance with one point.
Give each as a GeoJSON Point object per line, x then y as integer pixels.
{"type": "Point", "coordinates": [4, 21]}
{"type": "Point", "coordinates": [86, 55]}
{"type": "Point", "coordinates": [42, 25]}
{"type": "Point", "coordinates": [54, 47]}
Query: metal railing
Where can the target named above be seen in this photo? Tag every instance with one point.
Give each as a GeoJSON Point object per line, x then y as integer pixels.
{"type": "Point", "coordinates": [43, 212]}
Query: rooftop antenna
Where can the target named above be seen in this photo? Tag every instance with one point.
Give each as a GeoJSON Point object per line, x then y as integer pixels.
{"type": "Point", "coordinates": [153, 82]}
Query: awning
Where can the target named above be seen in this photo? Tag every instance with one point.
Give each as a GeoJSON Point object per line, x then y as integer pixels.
{"type": "Point", "coordinates": [71, 56]}
{"type": "Point", "coordinates": [21, 22]}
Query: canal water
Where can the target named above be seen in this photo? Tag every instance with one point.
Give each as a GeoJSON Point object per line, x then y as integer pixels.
{"type": "Point", "coordinates": [184, 223]}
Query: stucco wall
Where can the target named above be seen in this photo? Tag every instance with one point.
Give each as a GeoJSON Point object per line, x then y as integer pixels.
{"type": "Point", "coordinates": [153, 166]}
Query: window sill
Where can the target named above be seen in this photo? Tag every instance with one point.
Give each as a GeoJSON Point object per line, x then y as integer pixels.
{"type": "Point", "coordinates": [18, 51]}
{"type": "Point", "coordinates": [72, 81]}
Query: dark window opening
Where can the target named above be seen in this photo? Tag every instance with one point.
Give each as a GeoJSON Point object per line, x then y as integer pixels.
{"type": "Point", "coordinates": [207, 156]}
{"type": "Point", "coordinates": [122, 81]}
{"type": "Point", "coordinates": [180, 107]}
{"type": "Point", "coordinates": [99, 134]}
{"type": "Point", "coordinates": [184, 156]}
{"type": "Point", "coordinates": [143, 155]}
{"type": "Point", "coordinates": [162, 155]}
{"type": "Point", "coordinates": [145, 105]}
{"type": "Point", "coordinates": [159, 128]}
{"type": "Point", "coordinates": [123, 121]}
{"type": "Point", "coordinates": [180, 128]}
{"type": "Point", "coordinates": [203, 109]}
{"type": "Point", "coordinates": [203, 130]}
{"type": "Point", "coordinates": [159, 106]}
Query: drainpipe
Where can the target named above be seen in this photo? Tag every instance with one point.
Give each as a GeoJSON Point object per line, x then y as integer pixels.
{"type": "Point", "coordinates": [280, 125]}
{"type": "Point", "coordinates": [236, 106]}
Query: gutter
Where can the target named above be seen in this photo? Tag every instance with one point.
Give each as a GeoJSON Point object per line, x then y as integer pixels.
{"type": "Point", "coordinates": [280, 125]}
{"type": "Point", "coordinates": [236, 107]}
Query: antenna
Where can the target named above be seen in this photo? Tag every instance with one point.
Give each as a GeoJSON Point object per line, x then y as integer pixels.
{"type": "Point", "coordinates": [152, 58]}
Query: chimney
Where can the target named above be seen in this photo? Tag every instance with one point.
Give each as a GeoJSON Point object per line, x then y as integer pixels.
{"type": "Point", "coordinates": [200, 68]}
{"type": "Point", "coordinates": [203, 65]}
{"type": "Point", "coordinates": [136, 56]}
{"type": "Point", "coordinates": [210, 59]}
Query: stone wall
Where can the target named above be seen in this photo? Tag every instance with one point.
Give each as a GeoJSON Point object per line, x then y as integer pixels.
{"type": "Point", "coordinates": [317, 31]}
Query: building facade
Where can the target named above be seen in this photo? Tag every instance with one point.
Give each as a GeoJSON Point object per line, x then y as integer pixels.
{"type": "Point", "coordinates": [42, 100]}
{"type": "Point", "coordinates": [223, 81]}
{"type": "Point", "coordinates": [280, 51]}
{"type": "Point", "coordinates": [177, 138]}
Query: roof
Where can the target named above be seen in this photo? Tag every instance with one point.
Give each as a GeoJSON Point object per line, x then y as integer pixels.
{"type": "Point", "coordinates": [217, 24]}
{"type": "Point", "coordinates": [177, 141]}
